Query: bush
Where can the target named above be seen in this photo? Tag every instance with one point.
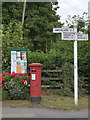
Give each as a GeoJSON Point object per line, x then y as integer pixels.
{"type": "Point", "coordinates": [63, 92]}
{"type": "Point", "coordinates": [67, 78]}
{"type": "Point", "coordinates": [16, 85]}
{"type": "Point", "coordinates": [38, 57]}
{"type": "Point", "coordinates": [5, 95]}
{"type": "Point", "coordinates": [68, 81]}
{"type": "Point", "coordinates": [49, 59]}
{"type": "Point", "coordinates": [0, 94]}
{"type": "Point", "coordinates": [82, 86]}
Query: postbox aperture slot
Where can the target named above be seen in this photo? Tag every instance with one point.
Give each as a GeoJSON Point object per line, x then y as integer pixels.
{"type": "Point", "coordinates": [33, 70]}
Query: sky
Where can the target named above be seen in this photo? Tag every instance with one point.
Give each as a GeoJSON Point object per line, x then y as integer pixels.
{"type": "Point", "coordinates": [71, 7]}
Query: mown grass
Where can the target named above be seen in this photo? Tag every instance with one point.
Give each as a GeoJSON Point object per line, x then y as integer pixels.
{"type": "Point", "coordinates": [50, 101]}
{"type": "Point", "coordinates": [63, 102]}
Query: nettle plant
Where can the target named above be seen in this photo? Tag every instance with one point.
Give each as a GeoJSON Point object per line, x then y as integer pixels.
{"type": "Point", "coordinates": [16, 85]}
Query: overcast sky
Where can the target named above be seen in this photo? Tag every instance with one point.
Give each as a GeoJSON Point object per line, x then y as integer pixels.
{"type": "Point", "coordinates": [72, 7]}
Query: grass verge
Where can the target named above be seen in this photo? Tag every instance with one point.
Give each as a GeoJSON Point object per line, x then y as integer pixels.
{"type": "Point", "coordinates": [50, 101]}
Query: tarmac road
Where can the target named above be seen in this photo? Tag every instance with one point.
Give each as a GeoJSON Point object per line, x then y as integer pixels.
{"type": "Point", "coordinates": [41, 113]}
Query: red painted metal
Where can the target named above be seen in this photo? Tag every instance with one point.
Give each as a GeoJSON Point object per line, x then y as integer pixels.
{"type": "Point", "coordinates": [35, 79]}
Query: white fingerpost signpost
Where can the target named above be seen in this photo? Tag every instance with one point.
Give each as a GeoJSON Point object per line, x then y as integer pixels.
{"type": "Point", "coordinates": [71, 34]}
{"type": "Point", "coordinates": [75, 68]}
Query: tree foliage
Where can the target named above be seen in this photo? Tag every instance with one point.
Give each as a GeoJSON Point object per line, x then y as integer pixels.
{"type": "Point", "coordinates": [11, 38]}
{"type": "Point", "coordinates": [82, 22]}
{"type": "Point", "coordinates": [36, 33]}
{"type": "Point", "coordinates": [39, 22]}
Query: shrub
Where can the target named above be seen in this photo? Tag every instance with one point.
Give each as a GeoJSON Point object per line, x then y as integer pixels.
{"type": "Point", "coordinates": [16, 85]}
{"type": "Point", "coordinates": [82, 86]}
{"type": "Point", "coordinates": [5, 95]}
{"type": "Point", "coordinates": [67, 78]}
{"type": "Point", "coordinates": [68, 81]}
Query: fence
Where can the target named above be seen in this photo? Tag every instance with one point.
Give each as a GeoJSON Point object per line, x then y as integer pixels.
{"type": "Point", "coordinates": [47, 76]}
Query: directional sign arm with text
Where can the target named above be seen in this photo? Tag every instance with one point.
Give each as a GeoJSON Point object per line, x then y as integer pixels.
{"type": "Point", "coordinates": [68, 36]}
{"type": "Point", "coordinates": [60, 30]}
{"type": "Point", "coordinates": [82, 36]}
{"type": "Point", "coordinates": [71, 36]}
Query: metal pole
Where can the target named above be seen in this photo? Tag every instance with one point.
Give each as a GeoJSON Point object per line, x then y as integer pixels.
{"type": "Point", "coordinates": [75, 68]}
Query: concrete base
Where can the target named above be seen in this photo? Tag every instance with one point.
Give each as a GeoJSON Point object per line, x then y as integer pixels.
{"type": "Point", "coordinates": [35, 100]}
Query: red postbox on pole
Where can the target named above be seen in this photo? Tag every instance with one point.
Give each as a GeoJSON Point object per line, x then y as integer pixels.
{"type": "Point", "coordinates": [35, 82]}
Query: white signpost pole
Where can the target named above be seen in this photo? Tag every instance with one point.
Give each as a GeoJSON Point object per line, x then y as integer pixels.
{"type": "Point", "coordinates": [71, 34]}
{"type": "Point", "coordinates": [75, 68]}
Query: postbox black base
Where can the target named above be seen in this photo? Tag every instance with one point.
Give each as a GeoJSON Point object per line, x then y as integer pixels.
{"type": "Point", "coordinates": [35, 100]}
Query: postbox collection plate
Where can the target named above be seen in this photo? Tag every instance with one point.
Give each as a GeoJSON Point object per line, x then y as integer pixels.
{"type": "Point", "coordinates": [33, 76]}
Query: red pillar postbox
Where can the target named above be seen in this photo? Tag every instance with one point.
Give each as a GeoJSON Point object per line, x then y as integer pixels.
{"type": "Point", "coordinates": [35, 82]}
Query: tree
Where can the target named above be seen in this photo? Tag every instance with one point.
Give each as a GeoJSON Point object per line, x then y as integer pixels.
{"type": "Point", "coordinates": [37, 30]}
{"type": "Point", "coordinates": [11, 38]}
{"type": "Point", "coordinates": [39, 21]}
{"type": "Point", "coordinates": [82, 26]}
{"type": "Point", "coordinates": [39, 25]}
{"type": "Point", "coordinates": [82, 21]}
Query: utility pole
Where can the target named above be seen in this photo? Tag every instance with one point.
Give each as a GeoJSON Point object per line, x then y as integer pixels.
{"type": "Point", "coordinates": [23, 15]}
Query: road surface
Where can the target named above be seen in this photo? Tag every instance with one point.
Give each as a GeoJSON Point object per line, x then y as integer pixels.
{"type": "Point", "coordinates": [41, 113]}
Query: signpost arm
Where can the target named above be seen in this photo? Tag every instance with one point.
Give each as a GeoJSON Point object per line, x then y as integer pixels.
{"type": "Point", "coordinates": [75, 68]}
